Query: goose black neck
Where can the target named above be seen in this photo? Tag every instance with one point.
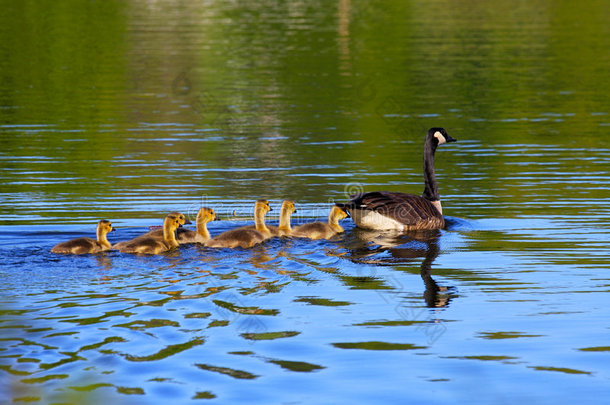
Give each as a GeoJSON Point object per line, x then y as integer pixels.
{"type": "Point", "coordinates": [431, 189]}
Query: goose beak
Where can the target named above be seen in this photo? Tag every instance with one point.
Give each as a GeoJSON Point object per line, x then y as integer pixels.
{"type": "Point", "coordinates": [450, 139]}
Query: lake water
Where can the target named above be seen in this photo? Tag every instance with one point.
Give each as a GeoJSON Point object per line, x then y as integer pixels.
{"type": "Point", "coordinates": [129, 110]}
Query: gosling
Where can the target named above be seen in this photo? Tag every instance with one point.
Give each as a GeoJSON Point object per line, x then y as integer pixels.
{"type": "Point", "coordinates": [245, 237]}
{"type": "Point", "coordinates": [155, 233]}
{"type": "Point", "coordinates": [322, 230]}
{"type": "Point", "coordinates": [87, 245]}
{"type": "Point", "coordinates": [153, 246]}
{"type": "Point", "coordinates": [202, 234]}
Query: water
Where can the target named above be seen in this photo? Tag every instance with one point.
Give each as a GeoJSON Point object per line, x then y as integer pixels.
{"type": "Point", "coordinates": [129, 110]}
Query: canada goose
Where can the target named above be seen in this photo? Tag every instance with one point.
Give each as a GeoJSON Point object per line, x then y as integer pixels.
{"type": "Point", "coordinates": [87, 245]}
{"type": "Point", "coordinates": [152, 245]}
{"type": "Point", "coordinates": [399, 211]}
{"type": "Point", "coordinates": [245, 236]}
{"type": "Point", "coordinates": [155, 233]}
{"type": "Point", "coordinates": [202, 234]}
{"type": "Point", "coordinates": [283, 229]}
{"type": "Point", "coordinates": [322, 230]}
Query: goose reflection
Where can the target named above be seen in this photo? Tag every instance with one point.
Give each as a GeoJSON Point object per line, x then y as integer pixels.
{"type": "Point", "coordinates": [386, 248]}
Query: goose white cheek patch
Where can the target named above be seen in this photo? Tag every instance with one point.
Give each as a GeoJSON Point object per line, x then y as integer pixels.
{"type": "Point", "coordinates": [440, 137]}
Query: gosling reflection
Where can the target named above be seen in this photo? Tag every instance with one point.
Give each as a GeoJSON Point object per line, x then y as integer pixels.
{"type": "Point", "coordinates": [389, 248]}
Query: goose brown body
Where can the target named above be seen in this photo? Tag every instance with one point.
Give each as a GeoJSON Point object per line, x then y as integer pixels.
{"type": "Point", "coordinates": [245, 237]}
{"type": "Point", "coordinates": [396, 210]}
{"type": "Point", "coordinates": [400, 211]}
{"type": "Point", "coordinates": [322, 230]}
{"type": "Point", "coordinates": [87, 245]}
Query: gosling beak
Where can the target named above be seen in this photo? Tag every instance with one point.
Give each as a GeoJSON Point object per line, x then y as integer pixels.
{"type": "Point", "coordinates": [112, 229]}
{"type": "Point", "coordinates": [186, 222]}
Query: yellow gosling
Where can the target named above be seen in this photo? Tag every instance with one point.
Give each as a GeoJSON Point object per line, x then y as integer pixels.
{"type": "Point", "coordinates": [155, 233]}
{"type": "Point", "coordinates": [87, 245]}
{"type": "Point", "coordinates": [245, 237]}
{"type": "Point", "coordinates": [322, 230]}
{"type": "Point", "coordinates": [151, 245]}
{"type": "Point", "coordinates": [202, 234]}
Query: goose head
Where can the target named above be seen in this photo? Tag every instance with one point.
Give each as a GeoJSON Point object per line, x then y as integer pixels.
{"type": "Point", "coordinates": [440, 136]}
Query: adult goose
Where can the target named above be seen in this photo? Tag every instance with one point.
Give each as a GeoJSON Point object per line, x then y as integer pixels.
{"type": "Point", "coordinates": [399, 211]}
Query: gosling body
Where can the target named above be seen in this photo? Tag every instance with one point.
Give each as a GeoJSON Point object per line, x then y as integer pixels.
{"type": "Point", "coordinates": [87, 245]}
{"type": "Point", "coordinates": [245, 237]}
{"type": "Point", "coordinates": [322, 230]}
{"type": "Point", "coordinates": [151, 245]}
{"type": "Point", "coordinates": [155, 233]}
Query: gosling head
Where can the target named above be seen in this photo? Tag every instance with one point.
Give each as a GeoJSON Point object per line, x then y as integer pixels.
{"type": "Point", "coordinates": [338, 213]}
{"type": "Point", "coordinates": [206, 215]}
{"type": "Point", "coordinates": [181, 218]}
{"type": "Point", "coordinates": [174, 223]}
{"type": "Point", "coordinates": [105, 226]}
{"type": "Point", "coordinates": [440, 136]}
{"type": "Point", "coordinates": [262, 205]}
{"type": "Point", "coordinates": [288, 207]}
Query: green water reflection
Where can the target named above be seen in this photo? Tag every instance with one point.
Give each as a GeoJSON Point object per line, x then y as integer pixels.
{"type": "Point", "coordinates": [138, 101]}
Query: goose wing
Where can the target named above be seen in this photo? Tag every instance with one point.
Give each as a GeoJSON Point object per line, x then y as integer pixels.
{"type": "Point", "coordinates": [408, 209]}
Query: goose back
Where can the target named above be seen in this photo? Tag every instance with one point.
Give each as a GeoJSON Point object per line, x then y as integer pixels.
{"type": "Point", "coordinates": [392, 210]}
